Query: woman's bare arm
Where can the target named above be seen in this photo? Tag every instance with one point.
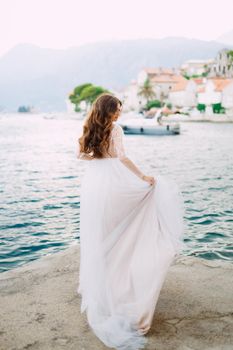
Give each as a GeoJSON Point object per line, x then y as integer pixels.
{"type": "Point", "coordinates": [131, 166]}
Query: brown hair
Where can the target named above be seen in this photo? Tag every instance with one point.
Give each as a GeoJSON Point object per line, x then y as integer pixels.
{"type": "Point", "coordinates": [98, 126]}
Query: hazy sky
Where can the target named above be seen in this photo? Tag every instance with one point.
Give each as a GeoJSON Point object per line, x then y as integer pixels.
{"type": "Point", "coordinates": [64, 23]}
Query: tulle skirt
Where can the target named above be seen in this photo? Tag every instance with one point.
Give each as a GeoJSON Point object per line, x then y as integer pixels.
{"type": "Point", "coordinates": [130, 232]}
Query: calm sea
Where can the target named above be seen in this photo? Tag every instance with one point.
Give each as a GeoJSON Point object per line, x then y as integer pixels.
{"type": "Point", "coordinates": [40, 184]}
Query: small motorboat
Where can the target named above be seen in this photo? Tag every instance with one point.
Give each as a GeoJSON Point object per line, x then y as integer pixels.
{"type": "Point", "coordinates": [150, 126]}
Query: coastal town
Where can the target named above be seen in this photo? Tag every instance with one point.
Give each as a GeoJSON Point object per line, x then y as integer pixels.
{"type": "Point", "coordinates": [204, 85]}
{"type": "Point", "coordinates": [199, 89]}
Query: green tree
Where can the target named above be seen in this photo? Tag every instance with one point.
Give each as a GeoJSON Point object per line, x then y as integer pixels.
{"type": "Point", "coordinates": [146, 91]}
{"type": "Point", "coordinates": [85, 92]}
{"type": "Point", "coordinates": [90, 93]}
{"type": "Point", "coordinates": [75, 96]}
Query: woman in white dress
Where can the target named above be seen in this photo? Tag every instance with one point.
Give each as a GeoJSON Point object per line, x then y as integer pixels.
{"type": "Point", "coordinates": [131, 229]}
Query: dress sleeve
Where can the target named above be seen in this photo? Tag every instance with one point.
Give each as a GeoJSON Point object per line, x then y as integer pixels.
{"type": "Point", "coordinates": [118, 142]}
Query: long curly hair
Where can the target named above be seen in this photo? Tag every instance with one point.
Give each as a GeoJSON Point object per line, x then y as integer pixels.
{"type": "Point", "coordinates": [95, 140]}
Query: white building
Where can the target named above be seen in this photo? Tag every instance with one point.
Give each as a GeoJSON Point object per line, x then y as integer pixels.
{"type": "Point", "coordinates": [223, 65]}
{"type": "Point", "coordinates": [227, 98]}
{"type": "Point", "coordinates": [131, 100]}
{"type": "Point", "coordinates": [196, 67]}
{"type": "Point", "coordinates": [172, 87]}
{"type": "Point", "coordinates": [162, 80]}
{"type": "Point", "coordinates": [216, 90]}
{"type": "Point", "coordinates": [184, 94]}
{"type": "Point", "coordinates": [209, 95]}
{"type": "Point", "coordinates": [204, 91]}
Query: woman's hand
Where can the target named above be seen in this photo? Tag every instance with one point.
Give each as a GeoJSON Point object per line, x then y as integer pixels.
{"type": "Point", "coordinates": [131, 166]}
{"type": "Point", "coordinates": [150, 179]}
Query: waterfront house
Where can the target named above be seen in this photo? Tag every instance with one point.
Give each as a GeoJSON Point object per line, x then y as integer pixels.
{"type": "Point", "coordinates": [222, 65]}
{"type": "Point", "coordinates": [130, 97]}
{"type": "Point", "coordinates": [213, 92]}
{"type": "Point", "coordinates": [162, 80]}
{"type": "Point", "coordinates": [227, 98]}
{"type": "Point", "coordinates": [183, 94]}
{"type": "Point", "coordinates": [195, 67]}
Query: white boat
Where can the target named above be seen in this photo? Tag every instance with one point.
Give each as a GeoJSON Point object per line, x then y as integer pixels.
{"type": "Point", "coordinates": [141, 125]}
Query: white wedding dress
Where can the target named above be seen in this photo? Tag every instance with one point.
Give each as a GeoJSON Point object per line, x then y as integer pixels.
{"type": "Point", "coordinates": [130, 232]}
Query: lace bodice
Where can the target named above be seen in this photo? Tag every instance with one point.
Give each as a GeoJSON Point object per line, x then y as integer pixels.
{"type": "Point", "coordinates": [116, 145]}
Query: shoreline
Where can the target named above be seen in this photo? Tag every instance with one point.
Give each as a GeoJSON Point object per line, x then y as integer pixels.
{"type": "Point", "coordinates": [213, 118]}
{"type": "Point", "coordinates": [41, 308]}
{"type": "Point", "coordinates": [222, 119]}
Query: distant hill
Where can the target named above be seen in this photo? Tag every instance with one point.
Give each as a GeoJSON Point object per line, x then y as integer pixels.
{"type": "Point", "coordinates": [30, 75]}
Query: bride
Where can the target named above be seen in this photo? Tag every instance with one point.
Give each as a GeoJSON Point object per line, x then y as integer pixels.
{"type": "Point", "coordinates": [131, 229]}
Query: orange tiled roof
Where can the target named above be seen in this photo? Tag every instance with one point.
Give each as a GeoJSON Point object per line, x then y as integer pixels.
{"type": "Point", "coordinates": [167, 71]}
{"type": "Point", "coordinates": [179, 86]}
{"type": "Point", "coordinates": [152, 70]}
{"type": "Point", "coordinates": [220, 83]}
{"type": "Point", "coordinates": [164, 78]}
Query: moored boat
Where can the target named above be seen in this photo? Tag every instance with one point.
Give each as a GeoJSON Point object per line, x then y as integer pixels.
{"type": "Point", "coordinates": [148, 127]}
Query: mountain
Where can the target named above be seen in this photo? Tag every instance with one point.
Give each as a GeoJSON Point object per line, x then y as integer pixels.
{"type": "Point", "coordinates": [226, 38]}
{"type": "Point", "coordinates": [30, 75]}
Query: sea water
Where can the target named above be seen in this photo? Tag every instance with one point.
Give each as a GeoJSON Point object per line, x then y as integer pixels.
{"type": "Point", "coordinates": [41, 176]}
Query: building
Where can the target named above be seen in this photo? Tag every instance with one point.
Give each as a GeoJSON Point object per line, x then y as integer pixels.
{"type": "Point", "coordinates": [183, 94]}
{"type": "Point", "coordinates": [170, 86]}
{"type": "Point", "coordinates": [162, 80]}
{"type": "Point", "coordinates": [216, 91]}
{"type": "Point", "coordinates": [227, 97]}
{"type": "Point", "coordinates": [207, 91]}
{"type": "Point", "coordinates": [130, 98]}
{"type": "Point", "coordinates": [196, 67]}
{"type": "Point", "coordinates": [223, 64]}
